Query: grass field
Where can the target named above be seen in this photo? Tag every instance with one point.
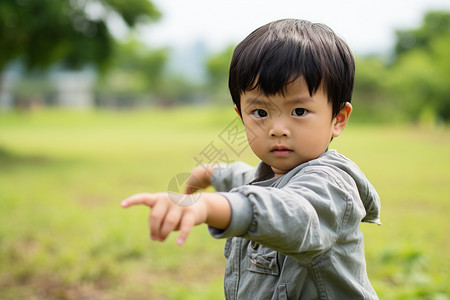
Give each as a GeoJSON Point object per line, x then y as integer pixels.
{"type": "Point", "coordinates": [63, 234]}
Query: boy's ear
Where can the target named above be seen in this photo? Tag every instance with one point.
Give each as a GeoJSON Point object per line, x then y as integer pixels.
{"type": "Point", "coordinates": [340, 121]}
{"type": "Point", "coordinates": [237, 111]}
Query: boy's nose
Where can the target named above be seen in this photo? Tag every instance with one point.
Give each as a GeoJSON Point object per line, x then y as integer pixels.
{"type": "Point", "coordinates": [278, 129]}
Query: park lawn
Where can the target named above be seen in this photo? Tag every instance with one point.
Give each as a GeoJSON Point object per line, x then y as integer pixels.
{"type": "Point", "coordinates": [63, 234]}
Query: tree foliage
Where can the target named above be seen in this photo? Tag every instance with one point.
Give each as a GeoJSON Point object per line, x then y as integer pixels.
{"type": "Point", "coordinates": [135, 70]}
{"type": "Point", "coordinates": [74, 32]}
{"type": "Point", "coordinates": [436, 24]}
{"type": "Point", "coordinates": [217, 66]}
{"type": "Point", "coordinates": [421, 70]}
{"type": "Point", "coordinates": [414, 85]}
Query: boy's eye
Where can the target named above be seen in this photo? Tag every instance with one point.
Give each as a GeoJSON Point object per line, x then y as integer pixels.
{"type": "Point", "coordinates": [259, 113]}
{"type": "Point", "coordinates": [299, 112]}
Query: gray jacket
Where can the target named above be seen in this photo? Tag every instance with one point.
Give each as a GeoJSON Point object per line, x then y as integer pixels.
{"type": "Point", "coordinates": [297, 236]}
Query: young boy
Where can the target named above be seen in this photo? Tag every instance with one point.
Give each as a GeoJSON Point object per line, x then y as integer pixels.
{"type": "Point", "coordinates": [293, 222]}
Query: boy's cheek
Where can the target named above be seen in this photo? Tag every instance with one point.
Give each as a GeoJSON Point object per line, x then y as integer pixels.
{"type": "Point", "coordinates": [253, 134]}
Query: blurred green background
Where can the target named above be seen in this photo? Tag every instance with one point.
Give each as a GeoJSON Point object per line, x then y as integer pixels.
{"type": "Point", "coordinates": [87, 119]}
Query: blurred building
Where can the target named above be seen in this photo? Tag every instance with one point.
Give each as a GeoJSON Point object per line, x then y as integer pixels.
{"type": "Point", "coordinates": [66, 89]}
{"type": "Point", "coordinates": [7, 82]}
{"type": "Point", "coordinates": [74, 89]}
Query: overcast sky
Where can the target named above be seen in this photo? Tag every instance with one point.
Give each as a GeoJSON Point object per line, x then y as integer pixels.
{"type": "Point", "coordinates": [367, 26]}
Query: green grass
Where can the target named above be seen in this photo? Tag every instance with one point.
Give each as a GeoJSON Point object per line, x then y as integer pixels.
{"type": "Point", "coordinates": [63, 234]}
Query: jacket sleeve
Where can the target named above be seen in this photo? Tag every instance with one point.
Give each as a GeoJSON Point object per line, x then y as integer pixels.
{"type": "Point", "coordinates": [228, 176]}
{"type": "Point", "coordinates": [302, 219]}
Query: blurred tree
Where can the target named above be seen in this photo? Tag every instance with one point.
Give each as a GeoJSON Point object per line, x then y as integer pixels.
{"type": "Point", "coordinates": [415, 84]}
{"type": "Point", "coordinates": [370, 97]}
{"type": "Point", "coordinates": [73, 32]}
{"type": "Point", "coordinates": [134, 71]}
{"type": "Point", "coordinates": [134, 55]}
{"type": "Point", "coordinates": [217, 67]}
{"type": "Point", "coordinates": [420, 74]}
{"type": "Point", "coordinates": [435, 25]}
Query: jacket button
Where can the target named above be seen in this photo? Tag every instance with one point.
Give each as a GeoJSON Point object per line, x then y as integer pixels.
{"type": "Point", "coordinates": [254, 244]}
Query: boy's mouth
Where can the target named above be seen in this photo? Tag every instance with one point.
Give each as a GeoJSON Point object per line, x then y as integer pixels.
{"type": "Point", "coordinates": [281, 150]}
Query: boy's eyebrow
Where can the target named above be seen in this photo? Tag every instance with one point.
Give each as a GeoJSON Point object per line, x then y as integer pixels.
{"type": "Point", "coordinates": [300, 100]}
{"type": "Point", "coordinates": [265, 102]}
{"type": "Point", "coordinates": [257, 101]}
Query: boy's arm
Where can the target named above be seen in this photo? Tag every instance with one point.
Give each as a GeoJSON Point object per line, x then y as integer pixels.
{"type": "Point", "coordinates": [169, 214]}
{"type": "Point", "coordinates": [228, 176]}
{"type": "Point", "coordinates": [302, 219]}
{"type": "Point", "coordinates": [166, 216]}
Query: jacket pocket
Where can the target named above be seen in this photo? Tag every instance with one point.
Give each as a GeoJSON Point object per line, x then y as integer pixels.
{"type": "Point", "coordinates": [264, 261]}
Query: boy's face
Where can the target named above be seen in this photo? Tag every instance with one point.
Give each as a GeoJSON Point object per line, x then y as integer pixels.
{"type": "Point", "coordinates": [287, 130]}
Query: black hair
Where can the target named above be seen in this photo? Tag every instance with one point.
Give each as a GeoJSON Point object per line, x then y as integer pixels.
{"type": "Point", "coordinates": [282, 51]}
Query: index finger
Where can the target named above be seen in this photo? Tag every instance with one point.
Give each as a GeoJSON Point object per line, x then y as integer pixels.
{"type": "Point", "coordinates": [143, 198]}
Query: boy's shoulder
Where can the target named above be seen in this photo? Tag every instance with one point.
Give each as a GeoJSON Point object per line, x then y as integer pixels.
{"type": "Point", "coordinates": [333, 160]}
{"type": "Point", "coordinates": [346, 171]}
